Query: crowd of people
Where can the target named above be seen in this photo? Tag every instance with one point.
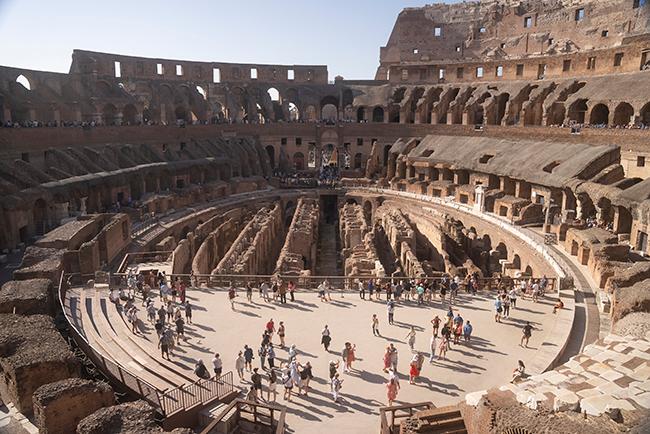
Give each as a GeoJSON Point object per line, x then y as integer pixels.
{"type": "Point", "coordinates": [171, 311]}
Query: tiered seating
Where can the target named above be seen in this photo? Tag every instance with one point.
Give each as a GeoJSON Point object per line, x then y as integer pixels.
{"type": "Point", "coordinates": [104, 326]}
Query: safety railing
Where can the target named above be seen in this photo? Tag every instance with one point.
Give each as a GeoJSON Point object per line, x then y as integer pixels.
{"type": "Point", "coordinates": [390, 416]}
{"type": "Point", "coordinates": [266, 417]}
{"type": "Point", "coordinates": [168, 401]}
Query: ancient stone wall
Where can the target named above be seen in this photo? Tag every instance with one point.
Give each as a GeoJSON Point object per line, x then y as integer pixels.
{"type": "Point", "coordinates": [27, 297]}
{"type": "Point", "coordinates": [254, 250]}
{"type": "Point", "coordinates": [298, 255]}
{"type": "Point", "coordinates": [61, 405]}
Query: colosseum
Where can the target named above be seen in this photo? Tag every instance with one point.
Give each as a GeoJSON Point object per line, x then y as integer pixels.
{"type": "Point", "coordinates": [456, 245]}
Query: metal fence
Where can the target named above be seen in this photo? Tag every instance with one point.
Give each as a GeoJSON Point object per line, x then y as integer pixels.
{"type": "Point", "coordinates": [188, 396]}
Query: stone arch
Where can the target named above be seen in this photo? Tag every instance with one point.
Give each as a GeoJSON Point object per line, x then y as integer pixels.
{"type": "Point", "coordinates": [329, 106]}
{"type": "Point", "coordinates": [387, 154]}
{"type": "Point", "coordinates": [109, 114]}
{"type": "Point", "coordinates": [24, 82]}
{"type": "Point", "coordinates": [599, 115]}
{"type": "Point", "coordinates": [270, 150]}
{"type": "Point", "coordinates": [516, 261]}
{"type": "Point", "coordinates": [644, 115]}
{"type": "Point", "coordinates": [361, 114]}
{"type": "Point", "coordinates": [40, 216]}
{"type": "Point", "coordinates": [502, 249]}
{"type": "Point", "coordinates": [299, 161]}
{"type": "Point", "coordinates": [623, 115]}
{"type": "Point", "coordinates": [310, 113]}
{"type": "Point", "coordinates": [394, 114]}
{"type": "Point", "coordinates": [556, 114]}
{"type": "Point", "coordinates": [378, 114]}
{"type": "Point", "coordinates": [130, 114]}
{"type": "Point", "coordinates": [181, 113]}
{"type": "Point", "coordinates": [577, 111]}
{"type": "Point", "coordinates": [358, 160]}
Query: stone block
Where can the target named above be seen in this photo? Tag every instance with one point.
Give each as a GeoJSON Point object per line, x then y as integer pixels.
{"type": "Point", "coordinates": [596, 405]}
{"type": "Point", "coordinates": [32, 353]}
{"type": "Point", "coordinates": [27, 297]}
{"type": "Point", "coordinates": [60, 406]}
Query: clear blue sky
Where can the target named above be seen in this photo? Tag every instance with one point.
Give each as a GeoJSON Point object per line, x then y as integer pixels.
{"type": "Point", "coordinates": [343, 34]}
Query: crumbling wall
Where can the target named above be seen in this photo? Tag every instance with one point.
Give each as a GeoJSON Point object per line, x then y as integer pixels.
{"type": "Point", "coordinates": [60, 406]}
{"type": "Point", "coordinates": [299, 251]}
{"type": "Point", "coordinates": [27, 297]}
{"type": "Point", "coordinates": [32, 353]}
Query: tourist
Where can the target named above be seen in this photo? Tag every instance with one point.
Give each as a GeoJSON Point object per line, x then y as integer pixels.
{"type": "Point", "coordinates": [132, 316]}
{"type": "Point", "coordinates": [333, 369]}
{"type": "Point", "coordinates": [288, 385]}
{"type": "Point", "coordinates": [306, 376]}
{"type": "Point", "coordinates": [231, 296]}
{"type": "Point", "coordinates": [262, 352]}
{"type": "Point", "coordinates": [182, 292]}
{"type": "Point", "coordinates": [273, 379]}
{"type": "Point", "coordinates": [350, 356]}
{"type": "Point", "coordinates": [151, 312]}
{"type": "Point", "coordinates": [432, 347]}
{"type": "Point", "coordinates": [442, 348]}
{"type": "Point", "coordinates": [527, 332]}
{"type": "Point", "coordinates": [498, 308]}
{"type": "Point", "coordinates": [158, 327]}
{"type": "Point", "coordinates": [162, 314]}
{"type": "Point", "coordinates": [248, 357]}
{"type": "Point", "coordinates": [513, 297]}
{"type": "Point", "coordinates": [416, 367]}
{"type": "Point", "coordinates": [294, 371]}
{"type": "Point", "coordinates": [200, 370]}
{"type": "Point", "coordinates": [411, 338]}
{"type": "Point", "coordinates": [256, 379]}
{"type": "Point", "coordinates": [436, 324]}
{"type": "Point", "coordinates": [281, 332]}
{"type": "Point", "coordinates": [371, 289]}
{"type": "Point", "coordinates": [249, 292]}
{"type": "Point", "coordinates": [362, 289]}
{"type": "Point", "coordinates": [292, 289]}
{"type": "Point", "coordinates": [217, 364]}
{"type": "Point", "coordinates": [163, 344]}
{"type": "Point", "coordinates": [392, 376]}
{"type": "Point", "coordinates": [393, 357]}
{"type": "Point", "coordinates": [264, 291]}
{"type": "Point", "coordinates": [390, 307]}
{"type": "Point", "coordinates": [375, 325]}
{"type": "Point", "coordinates": [506, 306]}
{"type": "Point", "coordinates": [240, 364]}
{"type": "Point", "coordinates": [274, 290]}
{"type": "Point", "coordinates": [519, 372]}
{"type": "Point", "coordinates": [270, 355]}
{"type": "Point", "coordinates": [337, 383]}
{"type": "Point", "coordinates": [446, 334]}
{"type": "Point", "coordinates": [458, 331]}
{"type": "Point", "coordinates": [180, 330]}
{"type": "Point", "coordinates": [293, 352]}
{"type": "Point", "coordinates": [558, 306]}
{"type": "Point", "coordinates": [386, 359]}
{"type": "Point", "coordinates": [328, 289]}
{"type": "Point", "coordinates": [536, 289]}
{"type": "Point", "coordinates": [170, 311]}
{"type": "Point", "coordinates": [419, 289]}
{"type": "Point", "coordinates": [251, 396]}
{"type": "Point", "coordinates": [391, 391]}
{"type": "Point", "coordinates": [326, 339]}
{"type": "Point", "coordinates": [321, 291]}
{"type": "Point", "coordinates": [282, 290]}
{"type": "Point", "coordinates": [188, 312]}
{"type": "Point", "coordinates": [467, 331]}
{"type": "Point", "coordinates": [270, 328]}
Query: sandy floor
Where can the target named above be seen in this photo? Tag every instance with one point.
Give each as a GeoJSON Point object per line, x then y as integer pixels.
{"type": "Point", "coordinates": [486, 362]}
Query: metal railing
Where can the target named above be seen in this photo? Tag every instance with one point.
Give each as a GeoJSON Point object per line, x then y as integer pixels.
{"type": "Point", "coordinates": [261, 415]}
{"type": "Point", "coordinates": [337, 284]}
{"type": "Point", "coordinates": [390, 425]}
{"type": "Point", "coordinates": [168, 401]}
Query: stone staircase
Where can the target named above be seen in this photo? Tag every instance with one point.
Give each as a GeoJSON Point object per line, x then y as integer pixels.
{"type": "Point", "coordinates": [327, 258]}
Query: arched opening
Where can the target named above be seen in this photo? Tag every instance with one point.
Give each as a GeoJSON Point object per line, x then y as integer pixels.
{"type": "Point", "coordinates": [270, 150]}
{"type": "Point", "coordinates": [555, 115]}
{"type": "Point", "coordinates": [129, 114]}
{"type": "Point", "coordinates": [394, 115]}
{"type": "Point", "coordinates": [329, 107]}
{"type": "Point", "coordinates": [299, 161]}
{"type": "Point", "coordinates": [361, 114]}
{"type": "Point", "coordinates": [21, 79]}
{"type": "Point", "coordinates": [109, 113]}
{"type": "Point", "coordinates": [599, 115]}
{"type": "Point", "coordinates": [351, 201]}
{"type": "Point", "coordinates": [202, 92]}
{"type": "Point", "coordinates": [294, 113]}
{"type": "Point", "coordinates": [358, 158]}
{"type": "Point", "coordinates": [577, 111]}
{"type": "Point", "coordinates": [274, 94]}
{"type": "Point", "coordinates": [146, 115]}
{"type": "Point", "coordinates": [378, 114]}
{"type": "Point", "coordinates": [501, 104]}
{"type": "Point", "coordinates": [623, 115]}
{"type": "Point", "coordinates": [367, 211]}
{"type": "Point", "coordinates": [310, 113]}
{"type": "Point", "coordinates": [386, 154]}
{"type": "Point", "coordinates": [180, 113]}
{"type": "Point", "coordinates": [40, 217]}
{"type": "Point", "coordinates": [645, 115]}
{"type": "Point", "coordinates": [329, 113]}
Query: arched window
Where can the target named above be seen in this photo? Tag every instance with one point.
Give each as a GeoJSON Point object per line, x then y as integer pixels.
{"type": "Point", "coordinates": [378, 114]}
{"type": "Point", "coordinates": [358, 160]}
{"type": "Point", "coordinates": [599, 115]}
{"type": "Point", "coordinates": [21, 79]}
{"type": "Point", "coordinates": [202, 91]}
{"type": "Point", "coordinates": [274, 94]}
{"type": "Point", "coordinates": [623, 115]}
{"type": "Point", "coordinates": [361, 114]}
{"type": "Point", "coordinates": [299, 161]}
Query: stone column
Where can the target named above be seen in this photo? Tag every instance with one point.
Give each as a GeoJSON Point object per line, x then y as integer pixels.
{"type": "Point", "coordinates": [82, 207]}
{"type": "Point", "coordinates": [479, 198]}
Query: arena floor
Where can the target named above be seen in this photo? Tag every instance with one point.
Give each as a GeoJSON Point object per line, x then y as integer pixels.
{"type": "Point", "coordinates": [486, 362]}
